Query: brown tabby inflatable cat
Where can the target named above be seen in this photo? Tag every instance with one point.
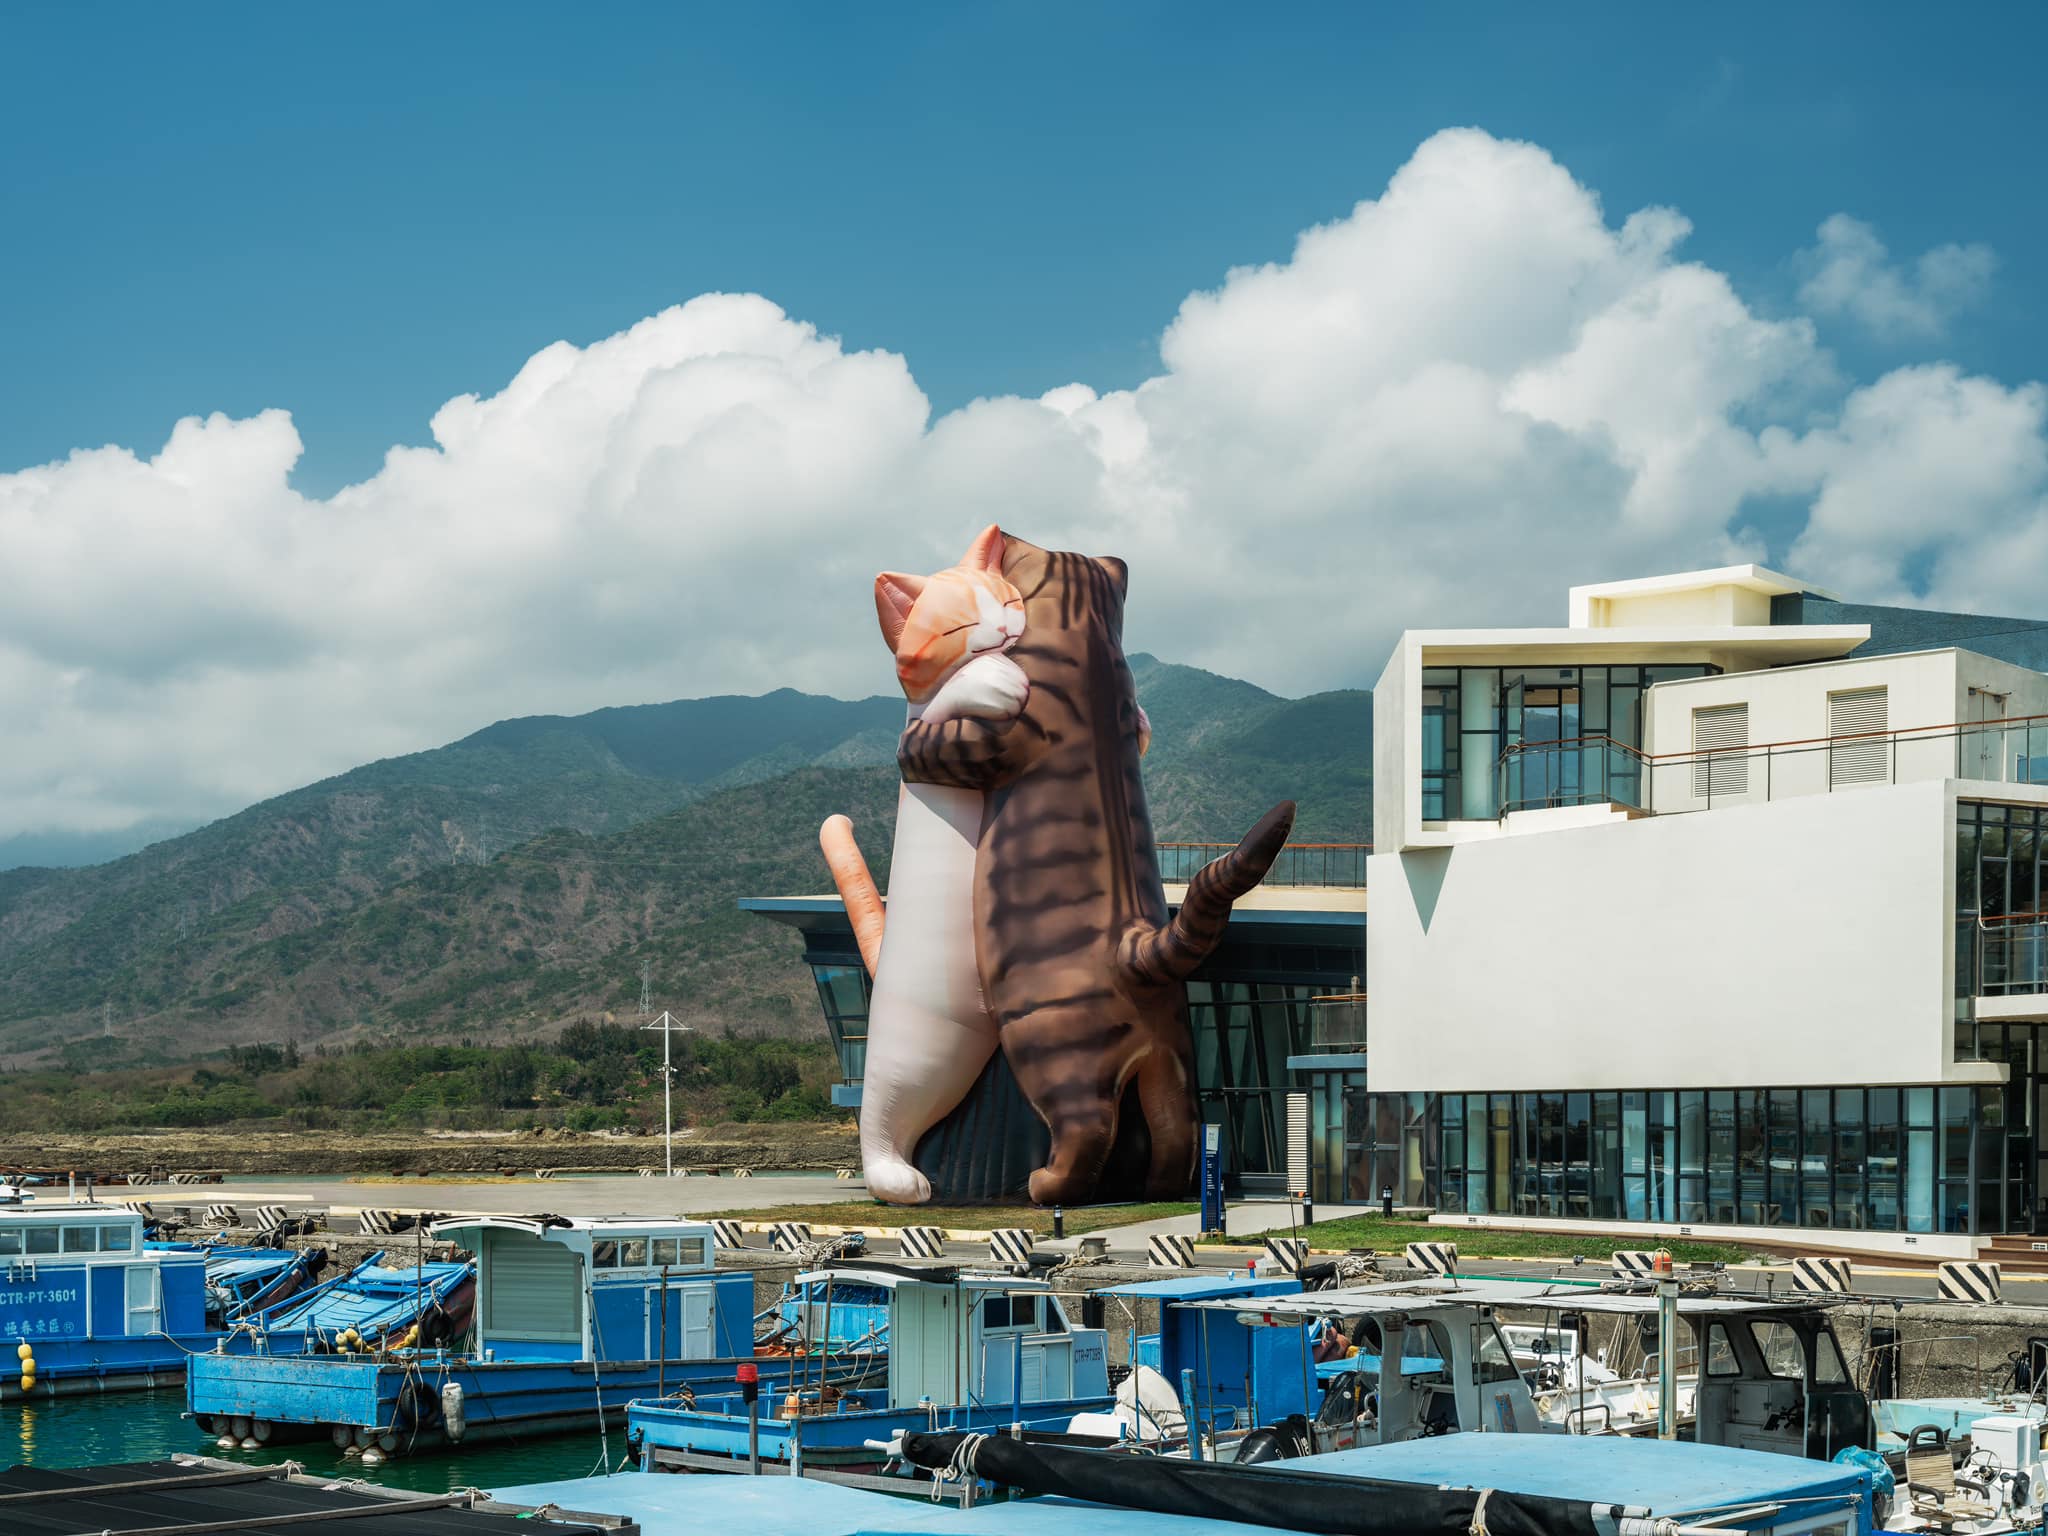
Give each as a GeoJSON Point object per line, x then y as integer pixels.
{"type": "Point", "coordinates": [1080, 965]}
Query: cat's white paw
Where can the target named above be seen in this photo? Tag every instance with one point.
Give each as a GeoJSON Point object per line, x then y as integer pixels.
{"type": "Point", "coordinates": [987, 688]}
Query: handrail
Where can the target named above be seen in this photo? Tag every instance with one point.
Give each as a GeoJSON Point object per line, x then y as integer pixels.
{"type": "Point", "coordinates": [1958, 726]}
{"type": "Point", "coordinates": [1596, 769]}
{"type": "Point", "coordinates": [2011, 918]}
{"type": "Point", "coordinates": [1284, 847]}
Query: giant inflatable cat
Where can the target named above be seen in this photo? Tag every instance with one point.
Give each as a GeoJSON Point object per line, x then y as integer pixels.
{"type": "Point", "coordinates": [1075, 960]}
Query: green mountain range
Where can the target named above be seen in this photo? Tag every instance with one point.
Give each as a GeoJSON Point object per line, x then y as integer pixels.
{"type": "Point", "coordinates": [523, 876]}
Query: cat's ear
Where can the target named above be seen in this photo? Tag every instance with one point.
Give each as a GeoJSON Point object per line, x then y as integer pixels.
{"type": "Point", "coordinates": [894, 595]}
{"type": "Point", "coordinates": [1118, 573]}
{"type": "Point", "coordinates": [986, 552]}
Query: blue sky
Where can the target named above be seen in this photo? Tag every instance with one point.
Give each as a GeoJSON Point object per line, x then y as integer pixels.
{"type": "Point", "coordinates": [371, 373]}
{"type": "Point", "coordinates": [358, 217]}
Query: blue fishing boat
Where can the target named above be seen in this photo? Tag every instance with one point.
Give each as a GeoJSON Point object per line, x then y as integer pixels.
{"type": "Point", "coordinates": [87, 1305]}
{"type": "Point", "coordinates": [242, 1281]}
{"type": "Point", "coordinates": [967, 1351]}
{"type": "Point", "coordinates": [556, 1323]}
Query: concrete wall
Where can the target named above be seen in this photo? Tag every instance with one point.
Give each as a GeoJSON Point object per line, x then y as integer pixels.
{"type": "Point", "coordinates": [1930, 691]}
{"type": "Point", "coordinates": [1397, 749]}
{"type": "Point", "coordinates": [1790, 705]}
{"type": "Point", "coordinates": [1687, 607]}
{"type": "Point", "coordinates": [1805, 941]}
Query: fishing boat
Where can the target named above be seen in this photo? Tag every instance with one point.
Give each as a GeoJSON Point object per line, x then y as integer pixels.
{"type": "Point", "coordinates": [1748, 1372]}
{"type": "Point", "coordinates": [243, 1281]}
{"type": "Point", "coordinates": [88, 1306]}
{"type": "Point", "coordinates": [556, 1325]}
{"type": "Point", "coordinates": [966, 1350]}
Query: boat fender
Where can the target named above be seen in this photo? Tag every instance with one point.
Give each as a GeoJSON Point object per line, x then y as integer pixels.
{"type": "Point", "coordinates": [453, 1420]}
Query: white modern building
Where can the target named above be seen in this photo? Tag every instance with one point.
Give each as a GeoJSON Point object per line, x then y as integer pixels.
{"type": "Point", "coordinates": [1718, 905]}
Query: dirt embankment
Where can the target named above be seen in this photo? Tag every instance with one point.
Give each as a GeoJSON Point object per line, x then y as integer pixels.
{"type": "Point", "coordinates": [116, 1153]}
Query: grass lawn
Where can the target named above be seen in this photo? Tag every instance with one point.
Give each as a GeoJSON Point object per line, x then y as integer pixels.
{"type": "Point", "coordinates": [1390, 1236]}
{"type": "Point", "coordinates": [976, 1218]}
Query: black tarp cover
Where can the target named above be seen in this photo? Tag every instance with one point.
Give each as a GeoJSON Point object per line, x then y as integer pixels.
{"type": "Point", "coordinates": [1320, 1502]}
{"type": "Point", "coordinates": [62, 1512]}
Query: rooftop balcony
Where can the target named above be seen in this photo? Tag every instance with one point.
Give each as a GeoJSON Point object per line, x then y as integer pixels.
{"type": "Point", "coordinates": [1597, 770]}
{"type": "Point", "coordinates": [2012, 955]}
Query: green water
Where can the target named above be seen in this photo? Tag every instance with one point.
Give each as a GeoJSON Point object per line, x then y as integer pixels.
{"type": "Point", "coordinates": [147, 1426]}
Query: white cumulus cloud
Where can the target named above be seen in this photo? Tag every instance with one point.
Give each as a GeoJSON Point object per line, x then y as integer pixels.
{"type": "Point", "coordinates": [1849, 273]}
{"type": "Point", "coordinates": [1445, 406]}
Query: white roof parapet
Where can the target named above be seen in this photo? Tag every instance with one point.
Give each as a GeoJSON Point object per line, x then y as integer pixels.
{"type": "Point", "coordinates": [1749, 578]}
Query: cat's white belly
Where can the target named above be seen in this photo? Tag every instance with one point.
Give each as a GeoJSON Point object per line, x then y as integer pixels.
{"type": "Point", "coordinates": [928, 1034]}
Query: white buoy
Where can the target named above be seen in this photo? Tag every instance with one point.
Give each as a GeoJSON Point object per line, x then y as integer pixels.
{"type": "Point", "coordinates": [373, 1457]}
{"type": "Point", "coordinates": [252, 1444]}
{"type": "Point", "coordinates": [226, 1443]}
{"type": "Point", "coordinates": [454, 1418]}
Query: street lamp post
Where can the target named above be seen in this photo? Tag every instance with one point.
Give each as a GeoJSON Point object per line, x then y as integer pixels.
{"type": "Point", "coordinates": [668, 1026]}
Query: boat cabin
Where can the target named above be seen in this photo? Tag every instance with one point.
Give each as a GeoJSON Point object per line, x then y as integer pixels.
{"type": "Point", "coordinates": [603, 1289]}
{"type": "Point", "coordinates": [959, 1338]}
{"type": "Point", "coordinates": [80, 1270]}
{"type": "Point", "coordinates": [1397, 1362]}
{"type": "Point", "coordinates": [1762, 1375]}
{"type": "Point", "coordinates": [966, 1351]}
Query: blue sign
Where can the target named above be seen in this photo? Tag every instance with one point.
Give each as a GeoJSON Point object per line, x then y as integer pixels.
{"type": "Point", "coordinates": [50, 1306]}
{"type": "Point", "coordinates": [1212, 1178]}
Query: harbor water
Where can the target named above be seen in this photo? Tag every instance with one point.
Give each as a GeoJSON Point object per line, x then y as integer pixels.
{"type": "Point", "coordinates": [148, 1426]}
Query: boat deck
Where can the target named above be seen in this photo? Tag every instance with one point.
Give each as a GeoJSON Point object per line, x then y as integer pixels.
{"type": "Point", "coordinates": [193, 1495]}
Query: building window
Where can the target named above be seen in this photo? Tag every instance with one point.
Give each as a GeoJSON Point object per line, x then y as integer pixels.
{"type": "Point", "coordinates": [1720, 744]}
{"type": "Point", "coordinates": [1861, 714]}
{"type": "Point", "coordinates": [844, 990]}
{"type": "Point", "coordinates": [1880, 1159]}
{"type": "Point", "coordinates": [1580, 728]}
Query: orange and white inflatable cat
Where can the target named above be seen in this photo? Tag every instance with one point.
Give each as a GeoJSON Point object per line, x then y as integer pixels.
{"type": "Point", "coordinates": [929, 1032]}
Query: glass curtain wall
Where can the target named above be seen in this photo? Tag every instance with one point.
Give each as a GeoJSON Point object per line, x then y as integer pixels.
{"type": "Point", "coordinates": [843, 989]}
{"type": "Point", "coordinates": [1471, 715]}
{"type": "Point", "coordinates": [1923, 1159]}
{"type": "Point", "coordinates": [2001, 878]}
{"type": "Point", "coordinates": [1244, 1033]}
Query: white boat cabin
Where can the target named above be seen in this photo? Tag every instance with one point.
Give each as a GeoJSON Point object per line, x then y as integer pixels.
{"type": "Point", "coordinates": [981, 1340]}
{"type": "Point", "coordinates": [1420, 1363]}
{"type": "Point", "coordinates": [602, 1288]}
{"type": "Point", "coordinates": [80, 1269]}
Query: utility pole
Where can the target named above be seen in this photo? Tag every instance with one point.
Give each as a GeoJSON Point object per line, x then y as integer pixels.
{"type": "Point", "coordinates": [668, 1026]}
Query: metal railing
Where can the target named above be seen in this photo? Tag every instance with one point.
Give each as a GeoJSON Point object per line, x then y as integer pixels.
{"type": "Point", "coordinates": [1597, 770]}
{"type": "Point", "coordinates": [2012, 954]}
{"type": "Point", "coordinates": [1338, 865]}
{"type": "Point", "coordinates": [1338, 1020]}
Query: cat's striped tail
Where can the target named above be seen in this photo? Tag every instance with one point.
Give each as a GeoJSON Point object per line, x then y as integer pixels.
{"type": "Point", "coordinates": [856, 887]}
{"type": "Point", "coordinates": [1157, 955]}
